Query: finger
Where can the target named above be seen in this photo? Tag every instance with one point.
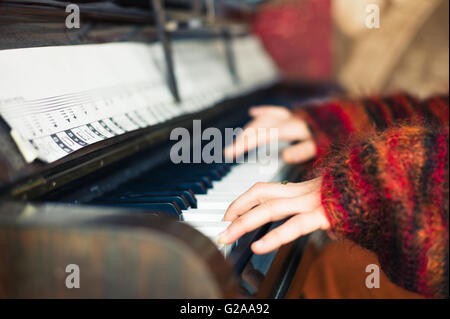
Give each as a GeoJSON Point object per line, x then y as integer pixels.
{"type": "Point", "coordinates": [300, 153]}
{"type": "Point", "coordinates": [269, 211]}
{"type": "Point", "coordinates": [271, 111]}
{"type": "Point", "coordinates": [292, 229]}
{"type": "Point", "coordinates": [261, 192]}
{"type": "Point", "coordinates": [246, 141]}
{"type": "Point", "coordinates": [294, 129]}
{"type": "Point", "coordinates": [255, 134]}
{"type": "Point", "coordinates": [238, 147]}
{"type": "Point", "coordinates": [241, 144]}
{"type": "Point", "coordinates": [257, 194]}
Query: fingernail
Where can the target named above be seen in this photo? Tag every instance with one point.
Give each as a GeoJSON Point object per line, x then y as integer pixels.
{"type": "Point", "coordinates": [290, 156]}
{"type": "Point", "coordinates": [223, 237]}
{"type": "Point", "coordinates": [258, 244]}
{"type": "Point", "coordinates": [253, 112]}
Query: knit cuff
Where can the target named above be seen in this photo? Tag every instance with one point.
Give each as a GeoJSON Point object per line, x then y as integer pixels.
{"type": "Point", "coordinates": [349, 200]}
{"type": "Point", "coordinates": [321, 139]}
{"type": "Point", "coordinates": [341, 220]}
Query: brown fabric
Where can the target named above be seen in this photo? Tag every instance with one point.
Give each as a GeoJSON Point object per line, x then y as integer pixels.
{"type": "Point", "coordinates": [338, 271]}
{"type": "Point", "coordinates": [409, 52]}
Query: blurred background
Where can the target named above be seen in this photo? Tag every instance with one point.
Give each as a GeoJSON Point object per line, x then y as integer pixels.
{"type": "Point", "coordinates": [328, 40]}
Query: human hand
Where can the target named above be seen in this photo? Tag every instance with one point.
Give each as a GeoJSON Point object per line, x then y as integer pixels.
{"type": "Point", "coordinates": [269, 202]}
{"type": "Point", "coordinates": [290, 128]}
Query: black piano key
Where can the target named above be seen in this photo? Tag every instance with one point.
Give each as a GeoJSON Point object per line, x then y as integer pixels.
{"type": "Point", "coordinates": [187, 194]}
{"type": "Point", "coordinates": [226, 168]}
{"type": "Point", "coordinates": [166, 209]}
{"type": "Point", "coordinates": [204, 179]}
{"type": "Point", "coordinates": [212, 174]}
{"type": "Point", "coordinates": [164, 180]}
{"type": "Point", "coordinates": [196, 188]}
{"type": "Point", "coordinates": [179, 200]}
{"type": "Point", "coordinates": [193, 167]}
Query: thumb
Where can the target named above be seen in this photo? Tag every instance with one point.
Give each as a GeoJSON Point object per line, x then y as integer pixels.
{"type": "Point", "coordinates": [279, 112]}
{"type": "Point", "coordinates": [300, 153]}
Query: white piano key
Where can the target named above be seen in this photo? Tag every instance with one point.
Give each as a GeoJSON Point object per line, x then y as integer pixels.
{"type": "Point", "coordinates": [213, 202]}
{"type": "Point", "coordinates": [225, 249]}
{"type": "Point", "coordinates": [204, 211]}
{"type": "Point", "coordinates": [214, 197]}
{"type": "Point", "coordinates": [232, 194]}
{"type": "Point", "coordinates": [213, 205]}
{"type": "Point", "coordinates": [193, 217]}
{"type": "Point", "coordinates": [210, 229]}
{"type": "Point", "coordinates": [227, 185]}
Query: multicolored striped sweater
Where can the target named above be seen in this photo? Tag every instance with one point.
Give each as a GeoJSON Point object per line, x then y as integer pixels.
{"type": "Point", "coordinates": [384, 163]}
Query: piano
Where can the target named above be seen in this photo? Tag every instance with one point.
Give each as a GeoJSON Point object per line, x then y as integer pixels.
{"type": "Point", "coordinates": [135, 224]}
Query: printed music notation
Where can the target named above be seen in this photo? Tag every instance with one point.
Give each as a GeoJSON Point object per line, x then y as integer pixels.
{"type": "Point", "coordinates": [58, 100]}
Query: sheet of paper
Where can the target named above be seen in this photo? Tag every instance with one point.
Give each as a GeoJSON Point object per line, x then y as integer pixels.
{"type": "Point", "coordinates": [61, 99]}
{"type": "Point", "coordinates": [58, 100]}
{"type": "Point", "coordinates": [254, 66]}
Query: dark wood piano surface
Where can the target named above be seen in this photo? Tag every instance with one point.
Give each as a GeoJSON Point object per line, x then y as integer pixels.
{"type": "Point", "coordinates": [120, 254]}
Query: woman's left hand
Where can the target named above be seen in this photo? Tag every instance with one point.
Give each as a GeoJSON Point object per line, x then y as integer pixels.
{"type": "Point", "coordinates": [269, 202]}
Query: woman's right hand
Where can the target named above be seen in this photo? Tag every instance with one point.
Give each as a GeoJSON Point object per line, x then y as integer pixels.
{"type": "Point", "coordinates": [290, 129]}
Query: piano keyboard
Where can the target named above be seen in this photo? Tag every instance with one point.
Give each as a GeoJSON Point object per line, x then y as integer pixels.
{"type": "Point", "coordinates": [196, 194]}
{"type": "Point", "coordinates": [207, 217]}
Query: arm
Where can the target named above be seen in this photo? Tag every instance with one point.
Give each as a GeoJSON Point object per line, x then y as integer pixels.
{"type": "Point", "coordinates": [320, 125]}
{"type": "Point", "coordinates": [333, 122]}
{"type": "Point", "coordinates": [389, 194]}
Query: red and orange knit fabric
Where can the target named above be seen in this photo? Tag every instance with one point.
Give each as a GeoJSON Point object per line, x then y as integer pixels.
{"type": "Point", "coordinates": [384, 163]}
{"type": "Point", "coordinates": [298, 36]}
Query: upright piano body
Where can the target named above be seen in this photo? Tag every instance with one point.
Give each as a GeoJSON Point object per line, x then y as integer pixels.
{"type": "Point", "coordinates": [59, 214]}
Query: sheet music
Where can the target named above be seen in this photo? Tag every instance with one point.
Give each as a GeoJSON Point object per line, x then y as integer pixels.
{"type": "Point", "coordinates": [254, 66]}
{"type": "Point", "coordinates": [58, 100]}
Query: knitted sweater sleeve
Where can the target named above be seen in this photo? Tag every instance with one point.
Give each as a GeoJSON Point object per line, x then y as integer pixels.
{"type": "Point", "coordinates": [389, 194]}
{"type": "Point", "coordinates": [334, 121]}
{"type": "Point", "coordinates": [385, 182]}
